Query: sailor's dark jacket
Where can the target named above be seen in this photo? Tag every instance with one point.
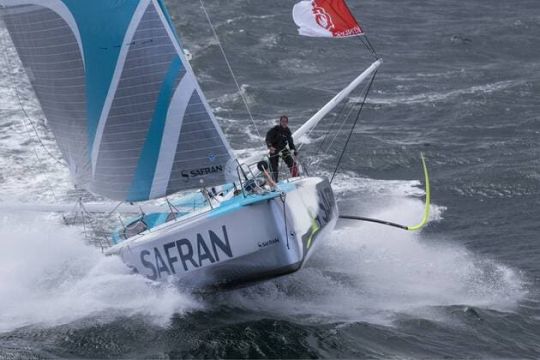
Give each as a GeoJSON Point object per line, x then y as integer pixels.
{"type": "Point", "coordinates": [278, 137]}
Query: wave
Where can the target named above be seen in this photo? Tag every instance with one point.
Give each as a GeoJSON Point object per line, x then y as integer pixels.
{"type": "Point", "coordinates": [438, 97]}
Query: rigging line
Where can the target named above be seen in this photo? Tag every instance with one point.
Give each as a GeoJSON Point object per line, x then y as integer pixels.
{"type": "Point", "coordinates": [12, 81]}
{"type": "Point", "coordinates": [313, 128]}
{"type": "Point", "coordinates": [92, 220]}
{"type": "Point", "coordinates": [329, 130]}
{"type": "Point", "coordinates": [84, 225]}
{"type": "Point", "coordinates": [336, 119]}
{"type": "Point", "coordinates": [26, 115]}
{"type": "Point", "coordinates": [57, 160]}
{"type": "Point", "coordinates": [371, 47]}
{"type": "Point", "coordinates": [368, 45]}
{"type": "Point", "coordinates": [116, 208]}
{"type": "Point", "coordinates": [336, 134]}
{"type": "Point", "coordinates": [331, 126]}
{"type": "Point", "coordinates": [354, 125]}
{"type": "Point", "coordinates": [240, 92]}
{"type": "Point", "coordinates": [351, 109]}
{"type": "Point", "coordinates": [365, 41]}
{"type": "Point", "coordinates": [345, 120]}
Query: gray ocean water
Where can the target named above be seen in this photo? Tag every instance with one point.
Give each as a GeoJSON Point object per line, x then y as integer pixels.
{"type": "Point", "coordinates": [460, 83]}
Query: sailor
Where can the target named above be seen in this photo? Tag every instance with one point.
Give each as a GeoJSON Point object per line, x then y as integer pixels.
{"type": "Point", "coordinates": [277, 139]}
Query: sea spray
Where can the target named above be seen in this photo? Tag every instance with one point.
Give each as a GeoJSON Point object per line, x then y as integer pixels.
{"type": "Point", "coordinates": [371, 273]}
{"type": "Point", "coordinates": [49, 277]}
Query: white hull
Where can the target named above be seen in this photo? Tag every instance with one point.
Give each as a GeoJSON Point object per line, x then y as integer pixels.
{"type": "Point", "coordinates": [244, 239]}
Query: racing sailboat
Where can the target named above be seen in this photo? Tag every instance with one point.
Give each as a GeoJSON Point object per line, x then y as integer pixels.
{"type": "Point", "coordinates": [133, 124]}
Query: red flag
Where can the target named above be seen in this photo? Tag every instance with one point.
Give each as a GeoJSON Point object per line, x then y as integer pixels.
{"type": "Point", "coordinates": [325, 18]}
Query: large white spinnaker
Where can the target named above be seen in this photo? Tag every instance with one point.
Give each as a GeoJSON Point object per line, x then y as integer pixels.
{"type": "Point", "coordinates": [119, 95]}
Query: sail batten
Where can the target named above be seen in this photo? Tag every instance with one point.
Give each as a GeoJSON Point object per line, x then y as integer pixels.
{"type": "Point", "coordinates": [119, 95]}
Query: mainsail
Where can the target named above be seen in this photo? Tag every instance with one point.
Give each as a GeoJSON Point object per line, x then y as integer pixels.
{"type": "Point", "coordinates": [119, 95]}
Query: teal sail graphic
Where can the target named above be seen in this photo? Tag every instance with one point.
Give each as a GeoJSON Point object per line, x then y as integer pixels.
{"type": "Point", "coordinates": [120, 98]}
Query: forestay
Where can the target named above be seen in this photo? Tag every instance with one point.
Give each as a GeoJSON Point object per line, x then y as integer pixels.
{"type": "Point", "coordinates": [121, 99]}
